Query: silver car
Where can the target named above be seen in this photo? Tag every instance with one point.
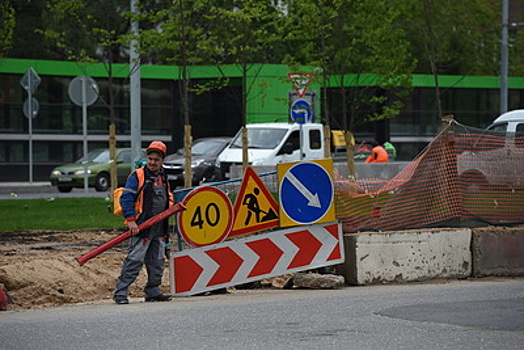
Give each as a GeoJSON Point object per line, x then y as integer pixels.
{"type": "Point", "coordinates": [204, 152]}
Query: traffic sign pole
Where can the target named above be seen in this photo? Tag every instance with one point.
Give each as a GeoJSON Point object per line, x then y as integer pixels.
{"type": "Point", "coordinates": [30, 82]}
{"type": "Point", "coordinates": [30, 117]}
{"type": "Point", "coordinates": [84, 130]}
{"type": "Point", "coordinates": [83, 91]}
{"type": "Point", "coordinates": [301, 139]}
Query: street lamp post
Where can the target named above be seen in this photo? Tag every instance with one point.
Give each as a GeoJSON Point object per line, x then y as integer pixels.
{"type": "Point", "coordinates": [504, 59]}
{"type": "Point", "coordinates": [135, 92]}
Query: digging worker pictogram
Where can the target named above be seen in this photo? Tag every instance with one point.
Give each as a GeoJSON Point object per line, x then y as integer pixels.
{"type": "Point", "coordinates": [253, 207]}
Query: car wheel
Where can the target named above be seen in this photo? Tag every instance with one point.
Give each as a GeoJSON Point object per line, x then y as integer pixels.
{"type": "Point", "coordinates": [65, 189]}
{"type": "Point", "coordinates": [209, 176]}
{"type": "Point", "coordinates": [102, 182]}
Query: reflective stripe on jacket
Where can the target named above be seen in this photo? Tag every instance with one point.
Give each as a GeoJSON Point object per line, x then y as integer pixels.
{"type": "Point", "coordinates": [132, 200]}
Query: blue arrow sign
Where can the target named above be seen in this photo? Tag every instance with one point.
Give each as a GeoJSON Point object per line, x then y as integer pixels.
{"type": "Point", "coordinates": [301, 111]}
{"type": "Point", "coordinates": [306, 192]}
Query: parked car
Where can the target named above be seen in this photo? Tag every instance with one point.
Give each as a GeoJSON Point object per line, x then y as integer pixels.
{"type": "Point", "coordinates": [204, 152]}
{"type": "Point", "coordinates": [68, 176]}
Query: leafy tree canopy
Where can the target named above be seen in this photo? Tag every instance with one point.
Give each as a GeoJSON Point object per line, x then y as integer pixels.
{"type": "Point", "coordinates": [7, 26]}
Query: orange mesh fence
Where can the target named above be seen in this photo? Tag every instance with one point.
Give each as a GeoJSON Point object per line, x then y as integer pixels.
{"type": "Point", "coordinates": [462, 177]}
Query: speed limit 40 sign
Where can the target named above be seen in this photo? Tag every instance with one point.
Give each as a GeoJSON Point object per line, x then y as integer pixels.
{"type": "Point", "coordinates": [208, 218]}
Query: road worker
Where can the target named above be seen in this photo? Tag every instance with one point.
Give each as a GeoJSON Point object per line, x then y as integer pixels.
{"type": "Point", "coordinates": [146, 194]}
{"type": "Point", "coordinates": [378, 153]}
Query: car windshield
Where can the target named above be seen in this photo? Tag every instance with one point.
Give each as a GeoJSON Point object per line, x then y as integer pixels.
{"type": "Point", "coordinates": [263, 138]}
{"type": "Point", "coordinates": [204, 147]}
{"type": "Point", "coordinates": [96, 156]}
{"type": "Point", "coordinates": [207, 147]}
{"type": "Point", "coordinates": [498, 129]}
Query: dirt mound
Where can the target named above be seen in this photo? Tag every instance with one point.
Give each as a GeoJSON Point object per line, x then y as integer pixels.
{"type": "Point", "coordinates": [38, 269]}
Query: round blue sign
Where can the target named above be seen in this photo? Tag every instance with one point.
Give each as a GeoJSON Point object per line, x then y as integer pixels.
{"type": "Point", "coordinates": [306, 192]}
{"type": "Point", "coordinates": [301, 111]}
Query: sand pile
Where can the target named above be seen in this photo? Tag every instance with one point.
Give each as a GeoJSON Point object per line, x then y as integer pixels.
{"type": "Point", "coordinates": [38, 269]}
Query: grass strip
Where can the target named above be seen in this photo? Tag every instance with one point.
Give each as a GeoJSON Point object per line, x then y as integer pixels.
{"type": "Point", "coordinates": [58, 214]}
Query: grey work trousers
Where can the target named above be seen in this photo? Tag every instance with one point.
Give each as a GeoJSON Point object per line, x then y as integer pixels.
{"type": "Point", "coordinates": [148, 251]}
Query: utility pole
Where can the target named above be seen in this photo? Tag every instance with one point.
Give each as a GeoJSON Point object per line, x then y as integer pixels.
{"type": "Point", "coordinates": [135, 92]}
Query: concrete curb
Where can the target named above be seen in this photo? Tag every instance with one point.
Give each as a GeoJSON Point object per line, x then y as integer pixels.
{"type": "Point", "coordinates": [419, 255]}
{"type": "Point", "coordinates": [26, 187]}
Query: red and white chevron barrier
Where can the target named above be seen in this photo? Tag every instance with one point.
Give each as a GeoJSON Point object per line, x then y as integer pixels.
{"type": "Point", "coordinates": [254, 258]}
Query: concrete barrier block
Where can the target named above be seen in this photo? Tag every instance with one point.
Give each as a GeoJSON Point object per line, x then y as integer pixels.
{"type": "Point", "coordinates": [406, 256]}
{"type": "Point", "coordinates": [363, 170]}
{"type": "Point", "coordinates": [498, 251]}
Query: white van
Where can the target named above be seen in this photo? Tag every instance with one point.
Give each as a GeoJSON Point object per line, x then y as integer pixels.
{"type": "Point", "coordinates": [273, 143]}
{"type": "Point", "coordinates": [496, 163]}
{"type": "Point", "coordinates": [509, 123]}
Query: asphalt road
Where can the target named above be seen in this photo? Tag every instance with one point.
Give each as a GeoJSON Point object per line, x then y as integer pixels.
{"type": "Point", "coordinates": [468, 314]}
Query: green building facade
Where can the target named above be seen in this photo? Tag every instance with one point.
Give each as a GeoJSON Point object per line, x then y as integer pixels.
{"type": "Point", "coordinates": [57, 129]}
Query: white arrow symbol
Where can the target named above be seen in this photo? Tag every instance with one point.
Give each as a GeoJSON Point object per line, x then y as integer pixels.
{"type": "Point", "coordinates": [312, 198]}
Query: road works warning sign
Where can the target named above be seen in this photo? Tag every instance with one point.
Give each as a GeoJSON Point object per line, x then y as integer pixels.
{"type": "Point", "coordinates": [255, 208]}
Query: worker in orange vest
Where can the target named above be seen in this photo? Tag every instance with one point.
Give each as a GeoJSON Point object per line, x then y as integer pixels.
{"type": "Point", "coordinates": [378, 154]}
{"type": "Point", "coordinates": [147, 186]}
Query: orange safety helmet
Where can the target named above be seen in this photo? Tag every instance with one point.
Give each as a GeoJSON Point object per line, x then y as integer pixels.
{"type": "Point", "coordinates": [157, 146]}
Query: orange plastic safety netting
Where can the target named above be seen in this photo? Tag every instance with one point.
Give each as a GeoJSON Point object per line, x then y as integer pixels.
{"type": "Point", "coordinates": [465, 176]}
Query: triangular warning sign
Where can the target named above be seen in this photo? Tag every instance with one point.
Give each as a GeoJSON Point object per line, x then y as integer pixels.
{"type": "Point", "coordinates": [300, 82]}
{"type": "Point", "coordinates": [255, 208]}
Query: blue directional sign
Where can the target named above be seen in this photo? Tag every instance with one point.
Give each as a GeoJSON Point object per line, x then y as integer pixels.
{"type": "Point", "coordinates": [306, 192]}
{"type": "Point", "coordinates": [301, 111]}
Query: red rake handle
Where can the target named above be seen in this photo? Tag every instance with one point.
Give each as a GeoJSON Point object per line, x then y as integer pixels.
{"type": "Point", "coordinates": [120, 238]}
